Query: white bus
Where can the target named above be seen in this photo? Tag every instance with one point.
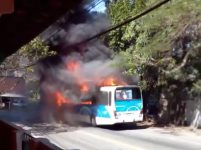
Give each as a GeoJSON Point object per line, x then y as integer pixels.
{"type": "Point", "coordinates": [113, 104]}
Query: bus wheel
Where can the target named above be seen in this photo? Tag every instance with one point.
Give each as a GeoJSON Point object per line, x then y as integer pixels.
{"type": "Point", "coordinates": [93, 122]}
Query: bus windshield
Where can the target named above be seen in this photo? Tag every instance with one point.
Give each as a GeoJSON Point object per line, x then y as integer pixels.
{"type": "Point", "coordinates": [127, 93]}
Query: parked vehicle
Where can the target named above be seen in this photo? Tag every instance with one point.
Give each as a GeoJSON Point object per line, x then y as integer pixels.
{"type": "Point", "coordinates": [13, 100]}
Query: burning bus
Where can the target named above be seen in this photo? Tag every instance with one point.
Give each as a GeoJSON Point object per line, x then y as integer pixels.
{"type": "Point", "coordinates": [111, 105]}
{"type": "Point", "coordinates": [81, 79]}
{"type": "Point", "coordinates": [107, 106]}
{"type": "Point", "coordinates": [72, 92]}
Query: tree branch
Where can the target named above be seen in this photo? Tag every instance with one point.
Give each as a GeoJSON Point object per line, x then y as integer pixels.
{"type": "Point", "coordinates": [182, 64]}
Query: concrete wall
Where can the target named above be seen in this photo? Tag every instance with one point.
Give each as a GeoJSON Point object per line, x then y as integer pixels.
{"type": "Point", "coordinates": [14, 138]}
{"type": "Point", "coordinates": [193, 113]}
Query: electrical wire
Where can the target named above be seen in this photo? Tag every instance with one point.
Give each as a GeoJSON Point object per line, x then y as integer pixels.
{"type": "Point", "coordinates": [124, 22]}
{"type": "Point", "coordinates": [143, 13]}
{"type": "Point", "coordinates": [94, 5]}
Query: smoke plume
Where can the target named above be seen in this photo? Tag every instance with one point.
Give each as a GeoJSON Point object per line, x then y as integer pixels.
{"type": "Point", "coordinates": [75, 77]}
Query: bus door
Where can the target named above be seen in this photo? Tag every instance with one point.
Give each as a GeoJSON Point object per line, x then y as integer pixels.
{"type": "Point", "coordinates": [104, 104]}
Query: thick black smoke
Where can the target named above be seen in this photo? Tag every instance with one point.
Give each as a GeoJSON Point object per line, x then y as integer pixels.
{"type": "Point", "coordinates": [93, 59]}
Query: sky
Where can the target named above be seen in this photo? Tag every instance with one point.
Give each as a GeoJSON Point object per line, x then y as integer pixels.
{"type": "Point", "coordinates": [100, 7]}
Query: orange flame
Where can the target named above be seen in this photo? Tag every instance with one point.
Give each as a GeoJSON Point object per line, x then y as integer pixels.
{"type": "Point", "coordinates": [60, 99]}
{"type": "Point", "coordinates": [73, 65]}
{"type": "Point", "coordinates": [111, 81]}
{"type": "Point", "coordinates": [84, 87]}
{"type": "Point", "coordinates": [88, 102]}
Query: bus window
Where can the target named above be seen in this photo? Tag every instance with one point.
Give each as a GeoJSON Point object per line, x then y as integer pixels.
{"type": "Point", "coordinates": [103, 98]}
{"type": "Point", "coordinates": [127, 93]}
{"type": "Point", "coordinates": [110, 98]}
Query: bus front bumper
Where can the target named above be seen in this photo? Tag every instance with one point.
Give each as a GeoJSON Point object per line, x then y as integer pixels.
{"type": "Point", "coordinates": [119, 119]}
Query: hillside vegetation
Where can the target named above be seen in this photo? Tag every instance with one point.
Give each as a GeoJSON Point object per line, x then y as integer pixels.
{"type": "Point", "coordinates": [164, 49]}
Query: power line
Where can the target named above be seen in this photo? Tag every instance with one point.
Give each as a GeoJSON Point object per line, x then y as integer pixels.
{"type": "Point", "coordinates": [94, 5]}
{"type": "Point", "coordinates": [143, 13]}
{"type": "Point", "coordinates": [124, 22]}
{"type": "Point", "coordinates": [99, 6]}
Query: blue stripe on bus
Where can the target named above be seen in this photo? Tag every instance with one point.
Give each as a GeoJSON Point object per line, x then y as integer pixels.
{"type": "Point", "coordinates": [102, 111]}
{"type": "Point", "coordinates": [93, 110]}
{"type": "Point", "coordinates": [128, 105]}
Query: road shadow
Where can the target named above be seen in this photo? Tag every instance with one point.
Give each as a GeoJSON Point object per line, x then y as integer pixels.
{"type": "Point", "coordinates": [40, 143]}
{"type": "Point", "coordinates": [36, 126]}
{"type": "Point", "coordinates": [120, 127]}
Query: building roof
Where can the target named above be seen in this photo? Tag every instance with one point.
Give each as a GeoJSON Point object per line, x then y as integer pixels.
{"type": "Point", "coordinates": [12, 85]}
{"type": "Point", "coordinates": [12, 95]}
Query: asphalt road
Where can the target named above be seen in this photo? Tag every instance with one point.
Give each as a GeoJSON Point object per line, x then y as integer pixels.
{"type": "Point", "coordinates": [123, 138]}
{"type": "Point", "coordinates": [117, 137]}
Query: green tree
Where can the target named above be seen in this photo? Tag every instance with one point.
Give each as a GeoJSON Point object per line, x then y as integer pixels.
{"type": "Point", "coordinates": [22, 63]}
{"type": "Point", "coordinates": [119, 11]}
{"type": "Point", "coordinates": [163, 48]}
{"type": "Point", "coordinates": [35, 49]}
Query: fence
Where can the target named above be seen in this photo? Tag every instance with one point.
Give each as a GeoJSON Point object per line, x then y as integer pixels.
{"type": "Point", "coordinates": [15, 138]}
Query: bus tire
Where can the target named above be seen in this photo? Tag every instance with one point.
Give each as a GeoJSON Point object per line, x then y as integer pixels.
{"type": "Point", "coordinates": [93, 122]}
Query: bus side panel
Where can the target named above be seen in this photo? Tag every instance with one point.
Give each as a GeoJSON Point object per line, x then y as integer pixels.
{"type": "Point", "coordinates": [101, 113]}
{"type": "Point", "coordinates": [105, 115]}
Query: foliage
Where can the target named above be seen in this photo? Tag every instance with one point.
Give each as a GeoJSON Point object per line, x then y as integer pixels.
{"type": "Point", "coordinates": [119, 11]}
{"type": "Point", "coordinates": [151, 38]}
{"type": "Point", "coordinates": [22, 63]}
{"type": "Point", "coordinates": [162, 47]}
{"type": "Point", "coordinates": [27, 54]}
{"type": "Point", "coordinates": [196, 89]}
{"type": "Point", "coordinates": [35, 49]}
